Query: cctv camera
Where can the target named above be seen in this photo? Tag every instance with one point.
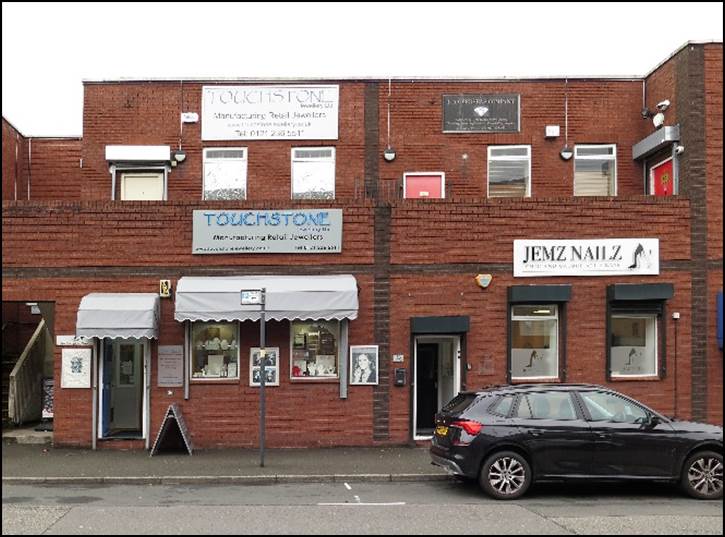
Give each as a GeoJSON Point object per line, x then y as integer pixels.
{"type": "Point", "coordinates": [658, 120]}
{"type": "Point", "coordinates": [680, 149]}
{"type": "Point", "coordinates": [663, 105]}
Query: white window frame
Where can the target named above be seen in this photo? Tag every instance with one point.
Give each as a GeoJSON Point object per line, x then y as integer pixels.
{"type": "Point", "coordinates": [338, 357]}
{"type": "Point", "coordinates": [190, 330]}
{"type": "Point", "coordinates": [654, 319]}
{"type": "Point", "coordinates": [612, 157]}
{"type": "Point", "coordinates": [443, 183]}
{"type": "Point", "coordinates": [121, 169]}
{"type": "Point", "coordinates": [537, 318]}
{"type": "Point", "coordinates": [507, 158]}
{"type": "Point", "coordinates": [294, 159]}
{"type": "Point", "coordinates": [244, 160]}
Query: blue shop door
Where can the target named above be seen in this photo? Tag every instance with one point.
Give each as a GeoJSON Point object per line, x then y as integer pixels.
{"type": "Point", "coordinates": [106, 387]}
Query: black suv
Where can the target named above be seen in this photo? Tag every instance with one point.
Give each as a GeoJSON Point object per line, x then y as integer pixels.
{"type": "Point", "coordinates": [507, 437]}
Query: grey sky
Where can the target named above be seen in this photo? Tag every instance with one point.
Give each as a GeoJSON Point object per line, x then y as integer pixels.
{"type": "Point", "coordinates": [48, 49]}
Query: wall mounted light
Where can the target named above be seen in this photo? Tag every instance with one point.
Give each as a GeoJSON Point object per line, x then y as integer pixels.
{"type": "Point", "coordinates": [179, 156]}
{"type": "Point", "coordinates": [389, 154]}
{"type": "Point", "coordinates": [566, 153]}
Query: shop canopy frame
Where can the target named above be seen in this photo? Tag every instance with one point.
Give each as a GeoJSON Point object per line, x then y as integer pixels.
{"type": "Point", "coordinates": [332, 297]}
{"type": "Point", "coordinates": [118, 315]}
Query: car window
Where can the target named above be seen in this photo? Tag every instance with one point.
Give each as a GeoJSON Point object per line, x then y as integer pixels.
{"type": "Point", "coordinates": [547, 405]}
{"type": "Point", "coordinates": [502, 407]}
{"type": "Point", "coordinates": [609, 407]}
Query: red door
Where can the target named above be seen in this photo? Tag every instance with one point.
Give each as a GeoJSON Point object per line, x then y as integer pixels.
{"type": "Point", "coordinates": [662, 180]}
{"type": "Point", "coordinates": [424, 185]}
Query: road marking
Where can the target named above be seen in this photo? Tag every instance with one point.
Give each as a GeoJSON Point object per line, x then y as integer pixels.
{"type": "Point", "coordinates": [379, 504]}
{"type": "Point", "coordinates": [348, 487]}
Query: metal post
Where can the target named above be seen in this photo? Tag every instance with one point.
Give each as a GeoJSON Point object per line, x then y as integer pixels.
{"type": "Point", "coordinates": [262, 378]}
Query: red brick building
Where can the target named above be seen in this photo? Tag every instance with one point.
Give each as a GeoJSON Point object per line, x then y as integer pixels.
{"type": "Point", "coordinates": [433, 181]}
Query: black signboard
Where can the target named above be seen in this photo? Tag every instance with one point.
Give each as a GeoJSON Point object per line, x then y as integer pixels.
{"type": "Point", "coordinates": [481, 113]}
{"type": "Point", "coordinates": [173, 434]}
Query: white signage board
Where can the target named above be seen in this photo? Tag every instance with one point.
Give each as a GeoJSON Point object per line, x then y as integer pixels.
{"type": "Point", "coordinates": [295, 231]}
{"type": "Point", "coordinates": [75, 368]}
{"type": "Point", "coordinates": [171, 366]}
{"type": "Point", "coordinates": [586, 257]}
{"type": "Point", "coordinates": [269, 112]}
{"type": "Point", "coordinates": [70, 341]}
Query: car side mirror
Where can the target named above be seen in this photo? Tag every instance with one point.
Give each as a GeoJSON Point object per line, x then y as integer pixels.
{"type": "Point", "coordinates": [654, 421]}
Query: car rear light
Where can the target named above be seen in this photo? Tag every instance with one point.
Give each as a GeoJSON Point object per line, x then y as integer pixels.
{"type": "Point", "coordinates": [470, 426]}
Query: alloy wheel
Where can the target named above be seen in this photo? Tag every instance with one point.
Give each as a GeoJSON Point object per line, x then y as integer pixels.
{"type": "Point", "coordinates": [705, 476]}
{"type": "Point", "coordinates": [507, 475]}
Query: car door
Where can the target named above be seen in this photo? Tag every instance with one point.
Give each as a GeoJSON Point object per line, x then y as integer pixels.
{"type": "Point", "coordinates": [554, 431]}
{"type": "Point", "coordinates": [627, 442]}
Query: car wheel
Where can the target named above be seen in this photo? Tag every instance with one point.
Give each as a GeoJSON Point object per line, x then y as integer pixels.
{"type": "Point", "coordinates": [702, 475]}
{"type": "Point", "coordinates": [505, 475]}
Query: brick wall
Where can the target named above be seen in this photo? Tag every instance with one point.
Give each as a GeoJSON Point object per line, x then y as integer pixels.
{"type": "Point", "coordinates": [600, 112]}
{"type": "Point", "coordinates": [55, 171]}
{"type": "Point", "coordinates": [148, 114]}
{"type": "Point", "coordinates": [15, 163]}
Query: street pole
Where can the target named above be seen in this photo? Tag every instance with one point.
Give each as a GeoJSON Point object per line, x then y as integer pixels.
{"type": "Point", "coordinates": [262, 380]}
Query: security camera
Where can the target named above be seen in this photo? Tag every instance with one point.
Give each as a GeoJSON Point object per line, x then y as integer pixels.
{"type": "Point", "coordinates": [663, 105]}
{"type": "Point", "coordinates": [658, 120]}
{"type": "Point", "coordinates": [680, 149]}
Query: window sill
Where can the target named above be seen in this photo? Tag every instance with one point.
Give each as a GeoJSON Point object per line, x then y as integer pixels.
{"type": "Point", "coordinates": [648, 378]}
{"type": "Point", "coordinates": [530, 380]}
{"type": "Point", "coordinates": [214, 380]}
{"type": "Point", "coordinates": [322, 380]}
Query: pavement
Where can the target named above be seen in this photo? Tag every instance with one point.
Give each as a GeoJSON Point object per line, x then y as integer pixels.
{"type": "Point", "coordinates": [24, 463]}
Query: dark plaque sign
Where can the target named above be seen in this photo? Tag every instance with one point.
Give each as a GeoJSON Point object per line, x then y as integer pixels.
{"type": "Point", "coordinates": [481, 113]}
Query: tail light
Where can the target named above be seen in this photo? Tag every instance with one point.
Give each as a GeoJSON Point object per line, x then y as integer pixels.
{"type": "Point", "coordinates": [470, 426]}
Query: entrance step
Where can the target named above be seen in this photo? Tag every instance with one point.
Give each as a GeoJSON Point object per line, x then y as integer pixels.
{"type": "Point", "coordinates": [27, 436]}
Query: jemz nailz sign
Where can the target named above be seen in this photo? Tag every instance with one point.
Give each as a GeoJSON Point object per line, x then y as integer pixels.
{"type": "Point", "coordinates": [269, 112]}
{"type": "Point", "coordinates": [598, 257]}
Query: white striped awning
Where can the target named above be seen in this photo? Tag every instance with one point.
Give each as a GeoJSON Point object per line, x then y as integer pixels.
{"type": "Point", "coordinates": [286, 297]}
{"type": "Point", "coordinates": [118, 315]}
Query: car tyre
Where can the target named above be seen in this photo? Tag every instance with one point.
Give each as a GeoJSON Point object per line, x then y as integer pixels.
{"type": "Point", "coordinates": [702, 475]}
{"type": "Point", "coordinates": [505, 475]}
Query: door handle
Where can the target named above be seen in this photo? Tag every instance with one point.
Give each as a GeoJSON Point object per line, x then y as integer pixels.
{"type": "Point", "coordinates": [604, 435]}
{"type": "Point", "coordinates": [534, 432]}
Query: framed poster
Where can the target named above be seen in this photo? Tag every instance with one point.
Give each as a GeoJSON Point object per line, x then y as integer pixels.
{"type": "Point", "coordinates": [271, 366]}
{"type": "Point", "coordinates": [75, 368]}
{"type": "Point", "coordinates": [363, 365]}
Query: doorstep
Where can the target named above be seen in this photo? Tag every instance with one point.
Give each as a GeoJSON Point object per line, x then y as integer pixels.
{"type": "Point", "coordinates": [27, 436]}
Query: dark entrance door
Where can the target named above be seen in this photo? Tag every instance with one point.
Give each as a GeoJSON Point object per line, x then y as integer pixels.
{"type": "Point", "coordinates": [426, 381]}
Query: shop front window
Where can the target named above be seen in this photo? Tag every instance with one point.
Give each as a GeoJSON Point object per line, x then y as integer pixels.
{"type": "Point", "coordinates": [315, 349]}
{"type": "Point", "coordinates": [215, 350]}
{"type": "Point", "coordinates": [534, 342]}
{"type": "Point", "coordinates": [633, 345]}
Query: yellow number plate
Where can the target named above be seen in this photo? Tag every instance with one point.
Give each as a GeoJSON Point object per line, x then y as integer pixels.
{"type": "Point", "coordinates": [441, 430]}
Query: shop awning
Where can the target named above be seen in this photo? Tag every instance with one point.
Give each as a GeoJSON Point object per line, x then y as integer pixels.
{"type": "Point", "coordinates": [287, 297]}
{"type": "Point", "coordinates": [118, 315]}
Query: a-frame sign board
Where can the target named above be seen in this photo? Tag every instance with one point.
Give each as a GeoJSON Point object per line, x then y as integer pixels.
{"type": "Point", "coordinates": [173, 433]}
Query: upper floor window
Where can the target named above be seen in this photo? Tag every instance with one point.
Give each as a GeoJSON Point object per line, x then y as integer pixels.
{"type": "Point", "coordinates": [313, 173]}
{"type": "Point", "coordinates": [225, 173]}
{"type": "Point", "coordinates": [509, 171]}
{"type": "Point", "coordinates": [142, 186]}
{"type": "Point", "coordinates": [424, 185]}
{"type": "Point", "coordinates": [595, 170]}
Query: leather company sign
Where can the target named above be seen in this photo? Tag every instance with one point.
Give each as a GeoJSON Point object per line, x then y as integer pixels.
{"type": "Point", "coordinates": [591, 257]}
{"type": "Point", "coordinates": [481, 113]}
